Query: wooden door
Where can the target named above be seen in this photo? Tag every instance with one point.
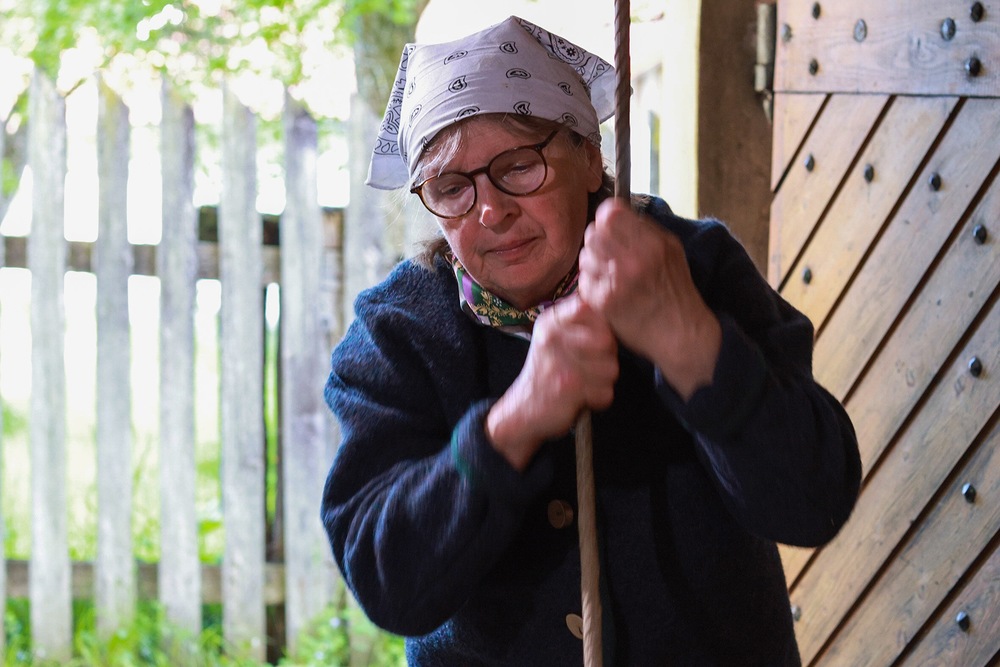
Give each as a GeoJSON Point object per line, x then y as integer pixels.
{"type": "Point", "coordinates": [884, 230]}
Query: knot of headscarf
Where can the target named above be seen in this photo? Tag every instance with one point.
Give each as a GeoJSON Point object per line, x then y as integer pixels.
{"type": "Point", "coordinates": [490, 310]}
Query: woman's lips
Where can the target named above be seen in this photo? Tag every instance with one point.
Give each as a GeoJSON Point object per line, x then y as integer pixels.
{"type": "Point", "coordinates": [512, 249]}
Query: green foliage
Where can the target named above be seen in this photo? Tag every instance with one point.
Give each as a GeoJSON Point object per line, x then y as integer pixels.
{"type": "Point", "coordinates": [150, 641]}
{"type": "Point", "coordinates": [195, 42]}
{"type": "Point", "coordinates": [339, 633]}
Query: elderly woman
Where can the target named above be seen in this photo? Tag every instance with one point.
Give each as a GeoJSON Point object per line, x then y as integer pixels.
{"type": "Point", "coordinates": [450, 504]}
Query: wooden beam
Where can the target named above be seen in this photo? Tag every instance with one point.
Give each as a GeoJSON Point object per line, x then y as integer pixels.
{"type": "Point", "coordinates": [211, 579]}
{"type": "Point", "coordinates": [904, 48]}
{"type": "Point", "coordinates": [80, 254]}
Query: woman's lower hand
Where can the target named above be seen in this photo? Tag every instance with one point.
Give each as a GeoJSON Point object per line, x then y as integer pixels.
{"type": "Point", "coordinates": [572, 365]}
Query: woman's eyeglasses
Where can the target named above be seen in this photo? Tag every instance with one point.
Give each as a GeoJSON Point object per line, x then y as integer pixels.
{"type": "Point", "coordinates": [518, 172]}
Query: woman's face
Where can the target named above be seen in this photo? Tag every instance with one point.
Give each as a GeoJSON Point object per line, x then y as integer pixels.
{"type": "Point", "coordinates": [521, 247]}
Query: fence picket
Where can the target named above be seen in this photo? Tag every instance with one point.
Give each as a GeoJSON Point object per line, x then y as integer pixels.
{"type": "Point", "coordinates": [303, 357]}
{"type": "Point", "coordinates": [115, 583]}
{"type": "Point", "coordinates": [51, 610]}
{"type": "Point", "coordinates": [241, 345]}
{"type": "Point", "coordinates": [177, 261]}
{"type": "Point", "coordinates": [3, 526]}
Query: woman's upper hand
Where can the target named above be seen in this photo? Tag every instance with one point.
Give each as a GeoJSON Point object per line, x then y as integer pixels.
{"type": "Point", "coordinates": [635, 275]}
{"type": "Point", "coordinates": [572, 365]}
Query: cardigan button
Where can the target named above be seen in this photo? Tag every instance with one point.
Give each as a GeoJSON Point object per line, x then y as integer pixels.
{"type": "Point", "coordinates": [560, 513]}
{"type": "Point", "coordinates": [575, 624]}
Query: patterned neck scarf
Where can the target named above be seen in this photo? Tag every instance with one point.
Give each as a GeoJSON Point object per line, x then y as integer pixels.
{"type": "Point", "coordinates": [490, 310]}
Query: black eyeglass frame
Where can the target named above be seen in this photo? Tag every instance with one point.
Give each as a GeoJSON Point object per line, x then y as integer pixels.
{"type": "Point", "coordinates": [418, 189]}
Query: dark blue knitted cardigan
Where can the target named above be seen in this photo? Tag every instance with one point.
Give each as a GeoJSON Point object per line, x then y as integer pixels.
{"type": "Point", "coordinates": [442, 541]}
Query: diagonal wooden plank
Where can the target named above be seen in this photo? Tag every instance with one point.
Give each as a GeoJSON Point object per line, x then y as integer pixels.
{"type": "Point", "coordinates": [910, 473]}
{"type": "Point", "coordinates": [827, 153]}
{"type": "Point", "coordinates": [909, 245]}
{"type": "Point", "coordinates": [921, 575]}
{"type": "Point", "coordinates": [899, 48]}
{"type": "Point", "coordinates": [863, 206]}
{"type": "Point", "coordinates": [793, 116]}
{"type": "Point", "coordinates": [933, 325]}
{"type": "Point", "coordinates": [946, 643]}
{"type": "Point", "coordinates": [939, 316]}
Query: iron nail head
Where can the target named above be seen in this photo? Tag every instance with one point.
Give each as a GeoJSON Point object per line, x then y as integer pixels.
{"type": "Point", "coordinates": [948, 29]}
{"type": "Point", "coordinates": [969, 492]}
{"type": "Point", "coordinates": [860, 30]}
{"type": "Point", "coordinates": [963, 621]}
{"type": "Point", "coordinates": [975, 367]}
{"type": "Point", "coordinates": [979, 233]}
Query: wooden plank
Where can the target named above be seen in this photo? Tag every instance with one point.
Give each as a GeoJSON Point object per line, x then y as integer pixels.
{"type": "Point", "coordinates": [3, 527]}
{"type": "Point", "coordinates": [179, 568]}
{"type": "Point", "coordinates": [921, 575]}
{"type": "Point", "coordinates": [933, 325]}
{"type": "Point", "coordinates": [144, 257]}
{"type": "Point", "coordinates": [901, 49]}
{"type": "Point", "coordinates": [794, 560]}
{"type": "Point", "coordinates": [894, 153]}
{"type": "Point", "coordinates": [838, 135]}
{"type": "Point", "coordinates": [51, 623]}
{"type": "Point", "coordinates": [114, 589]}
{"type": "Point", "coordinates": [303, 365]}
{"type": "Point", "coordinates": [149, 587]}
{"type": "Point", "coordinates": [794, 115]}
{"type": "Point", "coordinates": [939, 316]}
{"type": "Point", "coordinates": [908, 246]}
{"type": "Point", "coordinates": [241, 380]}
{"type": "Point", "coordinates": [946, 643]}
{"type": "Point", "coordinates": [911, 472]}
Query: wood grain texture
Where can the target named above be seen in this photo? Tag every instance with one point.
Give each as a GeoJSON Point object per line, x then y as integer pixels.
{"type": "Point", "coordinates": [794, 115]}
{"type": "Point", "coordinates": [241, 383]}
{"type": "Point", "coordinates": [920, 461]}
{"type": "Point", "coordinates": [861, 208]}
{"type": "Point", "coordinates": [51, 614]}
{"type": "Point", "coordinates": [822, 164]}
{"type": "Point", "coordinates": [904, 253]}
{"type": "Point", "coordinates": [945, 643]}
{"type": "Point", "coordinates": [115, 583]}
{"type": "Point", "coordinates": [922, 574]}
{"type": "Point", "coordinates": [938, 317]}
{"type": "Point", "coordinates": [308, 559]}
{"type": "Point", "coordinates": [179, 567]}
{"type": "Point", "coordinates": [903, 50]}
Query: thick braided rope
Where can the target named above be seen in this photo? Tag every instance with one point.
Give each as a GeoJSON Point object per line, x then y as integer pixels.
{"type": "Point", "coordinates": [589, 559]}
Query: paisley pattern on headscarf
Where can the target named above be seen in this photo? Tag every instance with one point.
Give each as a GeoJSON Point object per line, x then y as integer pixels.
{"type": "Point", "coordinates": [490, 310]}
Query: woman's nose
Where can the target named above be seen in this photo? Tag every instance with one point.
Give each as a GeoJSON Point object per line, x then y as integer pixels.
{"type": "Point", "coordinates": [494, 205]}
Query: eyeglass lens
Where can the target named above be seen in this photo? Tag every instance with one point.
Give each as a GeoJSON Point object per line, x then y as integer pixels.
{"type": "Point", "coordinates": [520, 171]}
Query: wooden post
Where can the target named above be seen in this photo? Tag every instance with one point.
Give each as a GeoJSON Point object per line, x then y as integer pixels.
{"type": "Point", "coordinates": [115, 583]}
{"type": "Point", "coordinates": [242, 348]}
{"type": "Point", "coordinates": [51, 611]}
{"type": "Point", "coordinates": [177, 265]}
{"type": "Point", "coordinates": [308, 586]}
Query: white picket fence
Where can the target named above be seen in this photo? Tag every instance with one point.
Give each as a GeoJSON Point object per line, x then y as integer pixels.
{"type": "Point", "coordinates": [306, 267]}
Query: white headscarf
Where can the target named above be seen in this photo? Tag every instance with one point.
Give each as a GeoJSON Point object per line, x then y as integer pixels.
{"type": "Point", "coordinates": [511, 67]}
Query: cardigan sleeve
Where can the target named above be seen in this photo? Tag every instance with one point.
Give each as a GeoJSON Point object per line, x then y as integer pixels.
{"type": "Point", "coordinates": [781, 449]}
{"type": "Point", "coordinates": [418, 506]}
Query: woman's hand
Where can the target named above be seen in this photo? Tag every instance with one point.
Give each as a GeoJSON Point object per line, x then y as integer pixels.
{"type": "Point", "coordinates": [636, 276]}
{"type": "Point", "coordinates": [572, 364]}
